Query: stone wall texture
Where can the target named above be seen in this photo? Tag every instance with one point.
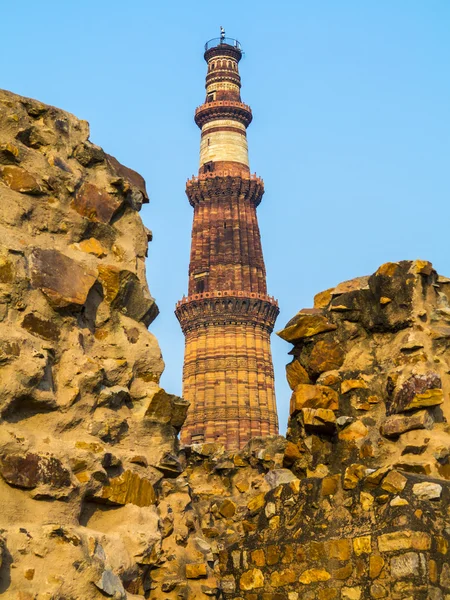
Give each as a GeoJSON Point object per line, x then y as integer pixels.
{"type": "Point", "coordinates": [97, 498]}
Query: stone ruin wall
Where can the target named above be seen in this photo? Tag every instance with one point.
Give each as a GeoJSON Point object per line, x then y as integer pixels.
{"type": "Point", "coordinates": [97, 498]}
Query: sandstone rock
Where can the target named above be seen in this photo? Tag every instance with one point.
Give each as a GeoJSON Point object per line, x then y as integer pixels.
{"type": "Point", "coordinates": [128, 488]}
{"type": "Point", "coordinates": [167, 408]}
{"type": "Point", "coordinates": [427, 490]}
{"type": "Point", "coordinates": [277, 477]}
{"type": "Point", "coordinates": [33, 137]}
{"type": "Point", "coordinates": [394, 482]}
{"type": "Point", "coordinates": [89, 154]}
{"type": "Point", "coordinates": [19, 180]}
{"type": "Point", "coordinates": [64, 281]}
{"type": "Point", "coordinates": [313, 396]}
{"type": "Point", "coordinates": [313, 575]}
{"type": "Point", "coordinates": [291, 454]}
{"type": "Point", "coordinates": [395, 425]}
{"type": "Point", "coordinates": [404, 540]}
{"type": "Point", "coordinates": [362, 545]}
{"type": "Point", "coordinates": [351, 593]}
{"type": "Point", "coordinates": [110, 585]}
{"type": "Point", "coordinates": [319, 419]}
{"type": "Point", "coordinates": [95, 204]}
{"type": "Point", "coordinates": [397, 501]}
{"type": "Point", "coordinates": [352, 384]}
{"type": "Point", "coordinates": [405, 565]}
{"type": "Point", "coordinates": [282, 578]}
{"type": "Point", "coordinates": [92, 246]}
{"type": "Point", "coordinates": [227, 509]}
{"type": "Point", "coordinates": [256, 503]}
{"type": "Point", "coordinates": [31, 470]}
{"type": "Point", "coordinates": [43, 328]}
{"type": "Point", "coordinates": [306, 325]}
{"type": "Point", "coordinates": [124, 291]}
{"type": "Point", "coordinates": [196, 571]}
{"type": "Point", "coordinates": [376, 564]}
{"type": "Point", "coordinates": [353, 474]}
{"type": "Point", "coordinates": [322, 299]}
{"type": "Point", "coordinates": [251, 579]}
{"type": "Point", "coordinates": [296, 374]}
{"type": "Point", "coordinates": [354, 431]}
{"type": "Point", "coordinates": [418, 391]}
{"type": "Point", "coordinates": [9, 154]}
{"type": "Point", "coordinates": [325, 356]}
{"type": "Point", "coordinates": [356, 284]}
{"type": "Point", "coordinates": [170, 465]}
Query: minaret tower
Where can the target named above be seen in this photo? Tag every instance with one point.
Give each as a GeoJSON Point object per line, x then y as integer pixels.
{"type": "Point", "coordinates": [227, 317]}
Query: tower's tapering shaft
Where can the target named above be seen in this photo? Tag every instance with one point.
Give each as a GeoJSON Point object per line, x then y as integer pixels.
{"type": "Point", "coordinates": [227, 317]}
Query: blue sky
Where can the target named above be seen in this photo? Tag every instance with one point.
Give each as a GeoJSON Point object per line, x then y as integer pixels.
{"type": "Point", "coordinates": [351, 129]}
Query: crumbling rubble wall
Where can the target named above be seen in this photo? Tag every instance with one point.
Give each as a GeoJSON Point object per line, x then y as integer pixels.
{"type": "Point", "coordinates": [369, 440]}
{"type": "Point", "coordinates": [98, 499]}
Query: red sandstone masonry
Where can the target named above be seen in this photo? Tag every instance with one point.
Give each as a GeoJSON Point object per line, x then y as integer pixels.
{"type": "Point", "coordinates": [227, 317]}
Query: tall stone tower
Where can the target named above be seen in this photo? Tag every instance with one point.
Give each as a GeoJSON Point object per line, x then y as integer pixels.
{"type": "Point", "coordinates": [227, 317]}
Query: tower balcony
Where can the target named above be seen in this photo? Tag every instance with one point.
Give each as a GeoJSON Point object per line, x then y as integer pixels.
{"type": "Point", "coordinates": [225, 173]}
{"type": "Point", "coordinates": [224, 183]}
{"type": "Point", "coordinates": [221, 41]}
{"type": "Point", "coordinates": [228, 306]}
{"type": "Point", "coordinates": [223, 109]}
{"type": "Point", "coordinates": [227, 294]}
{"type": "Point", "coordinates": [223, 46]}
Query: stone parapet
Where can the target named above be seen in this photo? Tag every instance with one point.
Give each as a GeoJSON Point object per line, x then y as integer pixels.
{"type": "Point", "coordinates": [223, 109]}
{"type": "Point", "coordinates": [230, 182]}
{"type": "Point", "coordinates": [202, 310]}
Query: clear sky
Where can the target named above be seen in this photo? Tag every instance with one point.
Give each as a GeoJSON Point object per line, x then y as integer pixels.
{"type": "Point", "coordinates": [351, 129]}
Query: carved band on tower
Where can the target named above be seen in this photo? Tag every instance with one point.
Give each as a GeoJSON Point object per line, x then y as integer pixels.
{"type": "Point", "coordinates": [227, 317]}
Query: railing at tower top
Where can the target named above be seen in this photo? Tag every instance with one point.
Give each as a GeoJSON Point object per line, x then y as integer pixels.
{"type": "Point", "coordinates": [223, 40]}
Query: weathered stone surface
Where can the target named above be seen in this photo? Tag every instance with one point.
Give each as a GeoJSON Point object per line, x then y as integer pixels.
{"type": "Point", "coordinates": [394, 482]}
{"type": "Point", "coordinates": [313, 396]}
{"type": "Point", "coordinates": [354, 431]}
{"type": "Point", "coordinates": [31, 470]}
{"type": "Point", "coordinates": [251, 579]}
{"type": "Point", "coordinates": [325, 356]}
{"type": "Point", "coordinates": [296, 374]}
{"type": "Point", "coordinates": [418, 391]}
{"type": "Point", "coordinates": [405, 566]}
{"type": "Point", "coordinates": [404, 540]}
{"type": "Point", "coordinates": [9, 153]}
{"type": "Point", "coordinates": [76, 372]}
{"type": "Point", "coordinates": [227, 509]}
{"type": "Point", "coordinates": [129, 488]}
{"type": "Point", "coordinates": [89, 154]}
{"type": "Point", "coordinates": [111, 585]}
{"type": "Point", "coordinates": [124, 292]}
{"type": "Point", "coordinates": [19, 180]}
{"type": "Point", "coordinates": [313, 575]}
{"type": "Point", "coordinates": [92, 246]}
{"type": "Point", "coordinates": [167, 408]}
{"type": "Point", "coordinates": [353, 384]}
{"type": "Point", "coordinates": [319, 419]}
{"type": "Point", "coordinates": [395, 425]}
{"type": "Point", "coordinates": [427, 490]}
{"type": "Point", "coordinates": [305, 325]}
{"type": "Point", "coordinates": [63, 280]}
{"type": "Point", "coordinates": [196, 571]}
{"type": "Point", "coordinates": [95, 203]}
{"type": "Point", "coordinates": [41, 327]}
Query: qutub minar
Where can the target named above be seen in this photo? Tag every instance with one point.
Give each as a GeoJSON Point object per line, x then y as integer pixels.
{"type": "Point", "coordinates": [227, 317]}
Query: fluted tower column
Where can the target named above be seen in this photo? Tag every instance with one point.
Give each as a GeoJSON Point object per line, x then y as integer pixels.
{"type": "Point", "coordinates": [227, 317]}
